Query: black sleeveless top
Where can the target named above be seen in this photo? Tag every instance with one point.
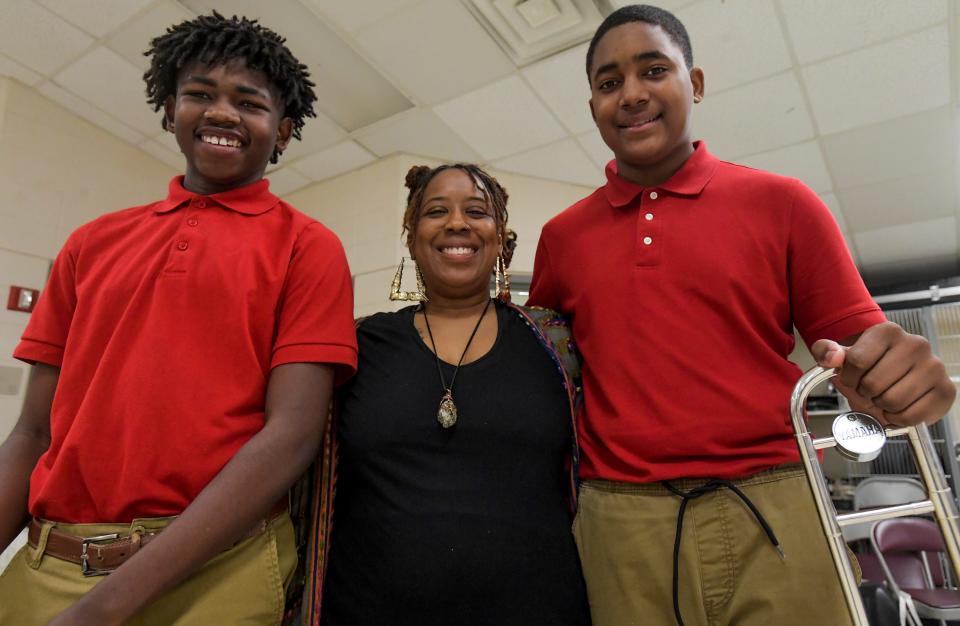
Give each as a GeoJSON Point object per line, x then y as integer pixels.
{"type": "Point", "coordinates": [467, 525]}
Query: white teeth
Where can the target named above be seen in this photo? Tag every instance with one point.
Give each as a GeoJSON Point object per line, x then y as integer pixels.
{"type": "Point", "coordinates": [458, 250]}
{"type": "Point", "coordinates": [220, 141]}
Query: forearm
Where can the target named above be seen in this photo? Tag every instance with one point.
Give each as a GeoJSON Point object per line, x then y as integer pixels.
{"type": "Point", "coordinates": [18, 456]}
{"type": "Point", "coordinates": [234, 502]}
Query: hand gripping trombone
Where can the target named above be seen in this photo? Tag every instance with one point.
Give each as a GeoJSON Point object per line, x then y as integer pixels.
{"type": "Point", "coordinates": [860, 437]}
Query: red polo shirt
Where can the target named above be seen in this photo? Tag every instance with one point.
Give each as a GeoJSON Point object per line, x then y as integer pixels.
{"type": "Point", "coordinates": [166, 320]}
{"type": "Point", "coordinates": [683, 299]}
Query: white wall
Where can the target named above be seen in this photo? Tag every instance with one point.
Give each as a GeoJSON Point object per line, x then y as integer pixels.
{"type": "Point", "coordinates": [57, 171]}
{"type": "Point", "coordinates": [532, 202]}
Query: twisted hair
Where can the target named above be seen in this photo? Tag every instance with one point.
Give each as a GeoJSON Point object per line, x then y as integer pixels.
{"type": "Point", "coordinates": [655, 16]}
{"type": "Point", "coordinates": [493, 192]}
{"type": "Point", "coordinates": [216, 40]}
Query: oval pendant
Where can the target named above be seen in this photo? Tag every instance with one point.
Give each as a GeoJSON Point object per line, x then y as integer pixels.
{"type": "Point", "coordinates": [447, 413]}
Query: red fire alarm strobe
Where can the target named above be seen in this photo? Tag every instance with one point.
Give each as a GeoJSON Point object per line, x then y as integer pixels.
{"type": "Point", "coordinates": [22, 299]}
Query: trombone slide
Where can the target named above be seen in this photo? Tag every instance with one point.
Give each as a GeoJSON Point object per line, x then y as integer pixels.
{"type": "Point", "coordinates": [939, 500]}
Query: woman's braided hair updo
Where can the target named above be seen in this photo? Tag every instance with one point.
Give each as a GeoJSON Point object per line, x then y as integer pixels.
{"type": "Point", "coordinates": [496, 196]}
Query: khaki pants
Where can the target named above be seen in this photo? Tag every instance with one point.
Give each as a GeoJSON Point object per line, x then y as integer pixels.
{"type": "Point", "coordinates": [729, 571]}
{"type": "Point", "coordinates": [244, 585]}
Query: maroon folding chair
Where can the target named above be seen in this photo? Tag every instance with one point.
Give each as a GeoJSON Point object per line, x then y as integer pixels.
{"type": "Point", "coordinates": [911, 553]}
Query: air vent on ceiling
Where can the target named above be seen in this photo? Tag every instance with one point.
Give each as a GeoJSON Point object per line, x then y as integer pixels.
{"type": "Point", "coordinates": [529, 30]}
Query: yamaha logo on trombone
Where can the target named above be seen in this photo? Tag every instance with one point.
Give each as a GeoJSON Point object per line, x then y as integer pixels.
{"type": "Point", "coordinates": [860, 437]}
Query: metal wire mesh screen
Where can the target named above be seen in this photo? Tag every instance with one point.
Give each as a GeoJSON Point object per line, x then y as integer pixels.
{"type": "Point", "coordinates": [946, 320]}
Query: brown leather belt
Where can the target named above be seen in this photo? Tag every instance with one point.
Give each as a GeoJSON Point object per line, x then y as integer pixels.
{"type": "Point", "coordinates": [104, 553]}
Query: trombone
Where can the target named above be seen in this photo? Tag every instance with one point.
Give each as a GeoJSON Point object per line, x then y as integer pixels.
{"type": "Point", "coordinates": [860, 437]}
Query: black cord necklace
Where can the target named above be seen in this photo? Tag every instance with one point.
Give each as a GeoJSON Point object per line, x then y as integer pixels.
{"type": "Point", "coordinates": [447, 413]}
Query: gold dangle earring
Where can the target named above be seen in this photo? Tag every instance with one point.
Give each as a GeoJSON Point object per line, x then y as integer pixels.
{"type": "Point", "coordinates": [420, 295]}
{"type": "Point", "coordinates": [501, 280]}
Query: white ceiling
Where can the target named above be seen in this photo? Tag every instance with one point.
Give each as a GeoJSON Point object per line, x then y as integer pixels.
{"type": "Point", "coordinates": [859, 98]}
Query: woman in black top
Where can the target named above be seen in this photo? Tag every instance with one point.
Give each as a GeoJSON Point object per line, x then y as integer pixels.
{"type": "Point", "coordinates": [453, 487]}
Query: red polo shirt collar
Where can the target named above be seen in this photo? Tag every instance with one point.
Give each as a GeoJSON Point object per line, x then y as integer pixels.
{"type": "Point", "coordinates": [689, 180]}
{"type": "Point", "coordinates": [252, 199]}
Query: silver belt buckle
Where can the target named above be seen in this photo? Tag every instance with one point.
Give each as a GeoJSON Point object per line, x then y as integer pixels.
{"type": "Point", "coordinates": [86, 542]}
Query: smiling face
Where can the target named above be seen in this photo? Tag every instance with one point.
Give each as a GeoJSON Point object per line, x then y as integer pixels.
{"type": "Point", "coordinates": [227, 121]}
{"type": "Point", "coordinates": [456, 241]}
{"type": "Point", "coordinates": [642, 96]}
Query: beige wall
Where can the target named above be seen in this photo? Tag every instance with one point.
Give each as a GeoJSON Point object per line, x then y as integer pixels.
{"type": "Point", "coordinates": [58, 171]}
{"type": "Point", "coordinates": [532, 202]}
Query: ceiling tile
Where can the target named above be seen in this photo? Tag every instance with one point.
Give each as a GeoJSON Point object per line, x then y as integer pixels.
{"type": "Point", "coordinates": [134, 38]}
{"type": "Point", "coordinates": [354, 94]}
{"type": "Point", "coordinates": [735, 42]}
{"type": "Point", "coordinates": [9, 67]}
{"type": "Point", "coordinates": [318, 133]}
{"type": "Point", "coordinates": [97, 17]}
{"type": "Point", "coordinates": [910, 145]}
{"type": "Point", "coordinates": [38, 39]}
{"type": "Point", "coordinates": [89, 112]}
{"type": "Point", "coordinates": [598, 151]}
{"type": "Point", "coordinates": [803, 161]}
{"type": "Point", "coordinates": [900, 201]}
{"type": "Point", "coordinates": [112, 84]}
{"type": "Point", "coordinates": [334, 161]}
{"type": "Point", "coordinates": [501, 119]}
{"type": "Point", "coordinates": [352, 16]}
{"type": "Point", "coordinates": [418, 132]}
{"type": "Point", "coordinates": [561, 82]}
{"type": "Point", "coordinates": [287, 180]}
{"type": "Point", "coordinates": [564, 161]}
{"type": "Point", "coordinates": [758, 117]}
{"type": "Point", "coordinates": [833, 204]}
{"type": "Point", "coordinates": [351, 92]}
{"type": "Point", "coordinates": [435, 50]}
{"type": "Point", "coordinates": [162, 153]}
{"type": "Point", "coordinates": [823, 28]}
{"type": "Point", "coordinates": [880, 83]}
{"type": "Point", "coordinates": [899, 243]}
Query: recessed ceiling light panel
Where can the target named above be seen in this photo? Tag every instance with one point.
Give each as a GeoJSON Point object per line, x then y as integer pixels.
{"type": "Point", "coordinates": [529, 30]}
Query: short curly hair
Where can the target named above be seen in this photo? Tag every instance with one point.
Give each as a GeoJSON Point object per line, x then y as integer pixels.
{"type": "Point", "coordinates": [420, 176]}
{"type": "Point", "coordinates": [652, 15]}
{"type": "Point", "coordinates": [216, 40]}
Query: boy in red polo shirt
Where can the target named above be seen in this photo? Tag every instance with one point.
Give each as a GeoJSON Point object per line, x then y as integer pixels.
{"type": "Point", "coordinates": [184, 354]}
{"type": "Point", "coordinates": [685, 276]}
